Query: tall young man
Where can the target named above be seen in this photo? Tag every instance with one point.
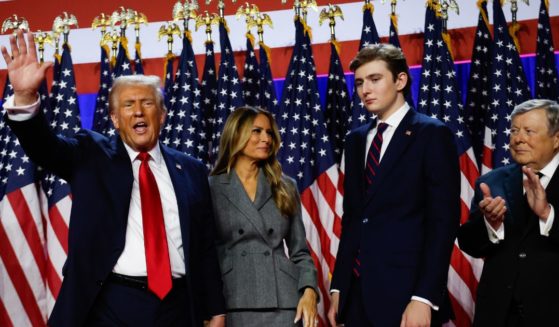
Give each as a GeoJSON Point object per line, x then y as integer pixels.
{"type": "Point", "coordinates": [401, 205]}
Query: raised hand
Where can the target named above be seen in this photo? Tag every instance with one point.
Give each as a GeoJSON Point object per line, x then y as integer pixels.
{"type": "Point", "coordinates": [535, 194]}
{"type": "Point", "coordinates": [493, 209]}
{"type": "Point", "coordinates": [24, 70]}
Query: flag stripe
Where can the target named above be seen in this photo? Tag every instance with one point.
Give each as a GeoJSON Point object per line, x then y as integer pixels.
{"type": "Point", "coordinates": [17, 276]}
{"type": "Point", "coordinates": [462, 319]}
{"type": "Point", "coordinates": [59, 226]}
{"type": "Point", "coordinates": [29, 229]}
{"type": "Point", "coordinates": [53, 279]}
{"type": "Point", "coordinates": [4, 316]}
{"type": "Point", "coordinates": [324, 296]}
{"type": "Point", "coordinates": [314, 214]}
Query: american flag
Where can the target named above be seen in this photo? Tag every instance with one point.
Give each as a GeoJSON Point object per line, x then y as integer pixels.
{"type": "Point", "coordinates": [168, 69]}
{"type": "Point", "coordinates": [369, 35]}
{"type": "Point", "coordinates": [440, 99]}
{"type": "Point", "coordinates": [394, 39]}
{"type": "Point", "coordinates": [24, 295]}
{"type": "Point", "coordinates": [229, 89]}
{"type": "Point", "coordinates": [306, 155]}
{"type": "Point", "coordinates": [54, 87]}
{"type": "Point", "coordinates": [508, 87]}
{"type": "Point", "coordinates": [57, 201]}
{"type": "Point", "coordinates": [268, 97]}
{"type": "Point", "coordinates": [338, 104]}
{"type": "Point", "coordinates": [138, 64]}
{"type": "Point", "coordinates": [251, 76]}
{"type": "Point", "coordinates": [184, 128]}
{"type": "Point", "coordinates": [477, 99]}
{"type": "Point", "coordinates": [122, 65]}
{"type": "Point", "coordinates": [101, 121]}
{"type": "Point", "coordinates": [209, 94]}
{"type": "Point", "coordinates": [546, 68]}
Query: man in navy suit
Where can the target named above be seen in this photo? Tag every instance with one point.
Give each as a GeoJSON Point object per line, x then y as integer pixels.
{"type": "Point", "coordinates": [401, 210]}
{"type": "Point", "coordinates": [106, 280]}
{"type": "Point", "coordinates": [513, 226]}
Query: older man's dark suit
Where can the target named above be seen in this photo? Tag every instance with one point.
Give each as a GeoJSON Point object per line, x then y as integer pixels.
{"type": "Point", "coordinates": [100, 174]}
{"type": "Point", "coordinates": [525, 265]}
{"type": "Point", "coordinates": [405, 225]}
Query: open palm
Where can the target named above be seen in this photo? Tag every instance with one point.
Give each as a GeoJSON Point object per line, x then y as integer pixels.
{"type": "Point", "coordinates": [25, 72]}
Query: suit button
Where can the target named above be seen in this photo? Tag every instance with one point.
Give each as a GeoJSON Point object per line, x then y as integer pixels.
{"type": "Point", "coordinates": [244, 253]}
{"type": "Point", "coordinates": [241, 231]}
{"type": "Point", "coordinates": [270, 231]}
{"type": "Point", "coordinates": [100, 283]}
{"type": "Point", "coordinates": [267, 253]}
{"type": "Point", "coordinates": [522, 255]}
{"type": "Point", "coordinates": [366, 220]}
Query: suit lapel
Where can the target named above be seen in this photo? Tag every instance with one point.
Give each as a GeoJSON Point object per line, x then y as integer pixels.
{"type": "Point", "coordinates": [404, 134]}
{"type": "Point", "coordinates": [514, 195]}
{"type": "Point", "coordinates": [361, 143]}
{"type": "Point", "coordinates": [236, 194]}
{"type": "Point", "coordinates": [263, 191]}
{"type": "Point", "coordinates": [118, 179]}
{"type": "Point", "coordinates": [181, 185]}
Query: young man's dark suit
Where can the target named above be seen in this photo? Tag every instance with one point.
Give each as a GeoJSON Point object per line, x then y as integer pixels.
{"type": "Point", "coordinates": [405, 225]}
{"type": "Point", "coordinates": [525, 265]}
{"type": "Point", "coordinates": [100, 174]}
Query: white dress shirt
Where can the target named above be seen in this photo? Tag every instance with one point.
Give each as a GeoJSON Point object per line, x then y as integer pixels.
{"type": "Point", "coordinates": [132, 261]}
{"type": "Point", "coordinates": [393, 121]}
{"type": "Point", "coordinates": [498, 235]}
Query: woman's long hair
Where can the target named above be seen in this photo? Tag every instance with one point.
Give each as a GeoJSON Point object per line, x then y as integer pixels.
{"type": "Point", "coordinates": [235, 136]}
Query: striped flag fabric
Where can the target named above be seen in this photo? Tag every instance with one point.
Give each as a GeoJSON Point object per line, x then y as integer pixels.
{"type": "Point", "coordinates": [306, 155]}
{"type": "Point", "coordinates": [338, 103]}
{"type": "Point", "coordinates": [101, 120]}
{"type": "Point", "coordinates": [184, 128]}
{"type": "Point", "coordinates": [369, 35]}
{"type": "Point", "coordinates": [229, 87]}
{"type": "Point", "coordinates": [440, 99]}
{"type": "Point", "coordinates": [477, 99]}
{"type": "Point", "coordinates": [547, 86]}
{"type": "Point", "coordinates": [508, 87]}
{"type": "Point", "coordinates": [57, 201]}
{"type": "Point", "coordinates": [24, 265]}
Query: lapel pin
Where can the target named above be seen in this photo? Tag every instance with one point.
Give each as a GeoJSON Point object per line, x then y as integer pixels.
{"type": "Point", "coordinates": [179, 167]}
{"type": "Point", "coordinates": [408, 132]}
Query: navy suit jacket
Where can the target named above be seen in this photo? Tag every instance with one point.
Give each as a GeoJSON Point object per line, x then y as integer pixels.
{"type": "Point", "coordinates": [99, 172]}
{"type": "Point", "coordinates": [405, 225]}
{"type": "Point", "coordinates": [525, 264]}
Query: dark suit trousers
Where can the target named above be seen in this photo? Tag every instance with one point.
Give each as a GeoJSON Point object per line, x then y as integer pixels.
{"type": "Point", "coordinates": [355, 310]}
{"type": "Point", "coordinates": [123, 305]}
{"type": "Point", "coordinates": [355, 315]}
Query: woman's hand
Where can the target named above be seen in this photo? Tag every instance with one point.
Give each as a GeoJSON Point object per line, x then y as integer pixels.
{"type": "Point", "coordinates": [307, 308]}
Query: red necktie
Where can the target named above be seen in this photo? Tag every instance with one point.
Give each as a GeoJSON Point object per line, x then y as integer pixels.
{"type": "Point", "coordinates": [155, 238]}
{"type": "Point", "coordinates": [373, 155]}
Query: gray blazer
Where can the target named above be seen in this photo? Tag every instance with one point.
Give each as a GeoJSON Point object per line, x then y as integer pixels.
{"type": "Point", "coordinates": [257, 273]}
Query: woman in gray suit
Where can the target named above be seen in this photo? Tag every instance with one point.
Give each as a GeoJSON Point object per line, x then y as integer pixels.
{"type": "Point", "coordinates": [268, 274]}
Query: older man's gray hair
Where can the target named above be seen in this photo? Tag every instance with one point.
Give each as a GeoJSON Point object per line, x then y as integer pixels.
{"type": "Point", "coordinates": [551, 109]}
